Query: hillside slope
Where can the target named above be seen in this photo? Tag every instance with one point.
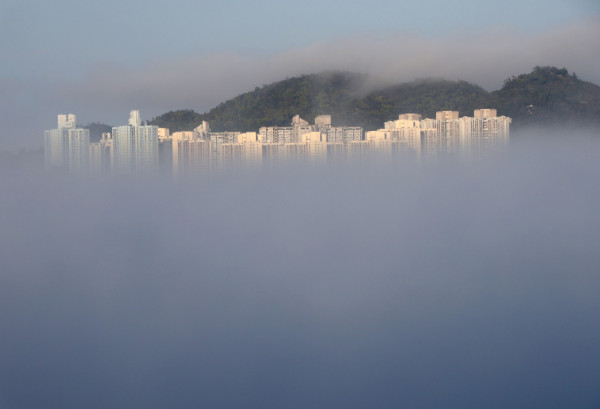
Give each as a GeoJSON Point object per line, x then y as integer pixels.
{"type": "Point", "coordinates": [546, 95]}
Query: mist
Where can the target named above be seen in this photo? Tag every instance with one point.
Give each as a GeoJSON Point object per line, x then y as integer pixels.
{"type": "Point", "coordinates": [106, 91]}
{"type": "Point", "coordinates": [368, 285]}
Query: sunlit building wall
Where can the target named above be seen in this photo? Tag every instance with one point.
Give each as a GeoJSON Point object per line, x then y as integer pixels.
{"type": "Point", "coordinates": [164, 134]}
{"type": "Point", "coordinates": [430, 139]}
{"type": "Point", "coordinates": [276, 134]}
{"type": "Point", "coordinates": [344, 135]}
{"type": "Point", "coordinates": [295, 152]}
{"type": "Point", "coordinates": [268, 134]}
{"type": "Point", "coordinates": [316, 145]}
{"type": "Point", "coordinates": [231, 156]}
{"type": "Point", "coordinates": [323, 122]}
{"type": "Point", "coordinates": [299, 128]}
{"type": "Point", "coordinates": [380, 142]}
{"type": "Point", "coordinates": [485, 113]}
{"type": "Point", "coordinates": [359, 149]}
{"type": "Point", "coordinates": [484, 133]}
{"type": "Point", "coordinates": [222, 158]}
{"type": "Point", "coordinates": [449, 131]}
{"type": "Point", "coordinates": [67, 121]}
{"type": "Point", "coordinates": [446, 115]}
{"type": "Point", "coordinates": [246, 152]}
{"type": "Point", "coordinates": [272, 153]}
{"type": "Point", "coordinates": [405, 133]}
{"type": "Point", "coordinates": [336, 151]}
{"type": "Point", "coordinates": [253, 151]}
{"type": "Point", "coordinates": [190, 154]}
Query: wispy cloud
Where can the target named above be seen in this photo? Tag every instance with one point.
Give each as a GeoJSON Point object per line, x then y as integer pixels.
{"type": "Point", "coordinates": [204, 80]}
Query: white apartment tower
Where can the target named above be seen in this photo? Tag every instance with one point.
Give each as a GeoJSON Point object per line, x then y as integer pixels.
{"type": "Point", "coordinates": [68, 121]}
{"type": "Point", "coordinates": [134, 118]}
{"type": "Point", "coordinates": [135, 147]}
{"type": "Point", "coordinates": [191, 154]}
{"type": "Point", "coordinates": [67, 147]}
{"type": "Point", "coordinates": [484, 133]}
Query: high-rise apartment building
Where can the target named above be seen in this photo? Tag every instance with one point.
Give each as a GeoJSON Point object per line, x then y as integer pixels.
{"type": "Point", "coordinates": [191, 154]}
{"type": "Point", "coordinates": [276, 134]}
{"type": "Point", "coordinates": [467, 136]}
{"type": "Point", "coordinates": [484, 133]}
{"type": "Point", "coordinates": [67, 147]}
{"type": "Point", "coordinates": [405, 134]}
{"type": "Point", "coordinates": [135, 146]}
{"type": "Point", "coordinates": [67, 121]}
{"type": "Point", "coordinates": [323, 122]}
{"type": "Point", "coordinates": [101, 156]}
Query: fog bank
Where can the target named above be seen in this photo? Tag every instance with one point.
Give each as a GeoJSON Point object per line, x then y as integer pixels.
{"type": "Point", "coordinates": [375, 285]}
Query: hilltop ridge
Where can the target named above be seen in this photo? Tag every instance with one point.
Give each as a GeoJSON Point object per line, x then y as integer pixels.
{"type": "Point", "coordinates": [545, 95]}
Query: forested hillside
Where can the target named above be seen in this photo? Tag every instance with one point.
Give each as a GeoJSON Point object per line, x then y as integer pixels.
{"type": "Point", "coordinates": [547, 94]}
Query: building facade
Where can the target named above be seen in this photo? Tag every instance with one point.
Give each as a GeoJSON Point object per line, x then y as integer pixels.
{"type": "Point", "coordinates": [67, 147]}
{"type": "Point", "coordinates": [144, 149]}
{"type": "Point", "coordinates": [135, 147]}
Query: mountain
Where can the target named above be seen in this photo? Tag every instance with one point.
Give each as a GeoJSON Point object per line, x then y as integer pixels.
{"type": "Point", "coordinates": [546, 95]}
{"type": "Point", "coordinates": [275, 104]}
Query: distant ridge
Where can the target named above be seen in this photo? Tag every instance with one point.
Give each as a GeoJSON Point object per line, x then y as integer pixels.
{"type": "Point", "coordinates": [546, 95]}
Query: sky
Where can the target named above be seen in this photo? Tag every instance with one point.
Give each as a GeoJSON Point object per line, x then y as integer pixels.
{"type": "Point", "coordinates": [101, 59]}
{"type": "Point", "coordinates": [376, 285]}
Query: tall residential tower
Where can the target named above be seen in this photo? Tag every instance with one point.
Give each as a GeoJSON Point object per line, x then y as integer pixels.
{"type": "Point", "coordinates": [67, 147]}
{"type": "Point", "coordinates": [135, 147]}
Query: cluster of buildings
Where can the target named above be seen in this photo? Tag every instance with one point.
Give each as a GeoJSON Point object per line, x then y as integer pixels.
{"type": "Point", "coordinates": [148, 149]}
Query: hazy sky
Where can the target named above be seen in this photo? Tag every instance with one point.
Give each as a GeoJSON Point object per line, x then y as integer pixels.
{"type": "Point", "coordinates": [101, 59]}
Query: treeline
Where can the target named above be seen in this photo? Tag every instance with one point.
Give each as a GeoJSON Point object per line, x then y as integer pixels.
{"type": "Point", "coordinates": [547, 94]}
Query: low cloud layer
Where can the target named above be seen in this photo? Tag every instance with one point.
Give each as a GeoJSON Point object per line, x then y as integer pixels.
{"type": "Point", "coordinates": [108, 92]}
{"type": "Point", "coordinates": [447, 285]}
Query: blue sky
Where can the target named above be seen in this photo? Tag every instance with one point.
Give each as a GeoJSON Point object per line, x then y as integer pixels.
{"type": "Point", "coordinates": [53, 51]}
